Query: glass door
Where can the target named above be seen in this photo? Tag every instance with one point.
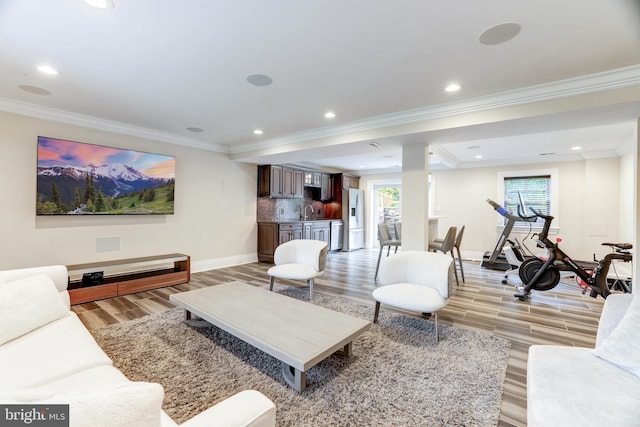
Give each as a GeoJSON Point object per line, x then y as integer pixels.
{"type": "Point", "coordinates": [387, 205]}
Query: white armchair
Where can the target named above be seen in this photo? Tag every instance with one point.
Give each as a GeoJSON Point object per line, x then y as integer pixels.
{"type": "Point", "coordinates": [299, 259]}
{"type": "Point", "coordinates": [415, 281]}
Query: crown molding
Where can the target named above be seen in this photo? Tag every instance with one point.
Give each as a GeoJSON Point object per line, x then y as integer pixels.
{"type": "Point", "coordinates": [54, 115]}
{"type": "Point", "coordinates": [593, 83]}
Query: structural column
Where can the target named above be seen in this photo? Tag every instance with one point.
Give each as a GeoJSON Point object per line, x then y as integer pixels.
{"type": "Point", "coordinates": [636, 207]}
{"type": "Point", "coordinates": [415, 197]}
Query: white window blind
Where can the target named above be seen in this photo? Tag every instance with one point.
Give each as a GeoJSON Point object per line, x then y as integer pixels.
{"type": "Point", "coordinates": [535, 191]}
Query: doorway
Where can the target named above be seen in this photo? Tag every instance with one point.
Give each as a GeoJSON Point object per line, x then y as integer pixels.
{"type": "Point", "coordinates": [387, 205]}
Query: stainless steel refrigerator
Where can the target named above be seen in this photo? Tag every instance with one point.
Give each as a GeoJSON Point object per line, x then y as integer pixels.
{"type": "Point", "coordinates": [353, 217]}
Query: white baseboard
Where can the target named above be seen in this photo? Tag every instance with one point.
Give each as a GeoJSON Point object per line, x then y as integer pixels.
{"type": "Point", "coordinates": [472, 255]}
{"type": "Point", "coordinates": [215, 263]}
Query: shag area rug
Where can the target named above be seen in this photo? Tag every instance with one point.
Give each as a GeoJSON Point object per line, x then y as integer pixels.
{"type": "Point", "coordinates": [397, 376]}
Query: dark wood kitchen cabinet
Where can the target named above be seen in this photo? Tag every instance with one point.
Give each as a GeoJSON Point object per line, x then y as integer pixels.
{"type": "Point", "coordinates": [350, 181]}
{"type": "Point", "coordinates": [312, 179]}
{"type": "Point", "coordinates": [270, 181]}
{"type": "Point", "coordinates": [279, 181]}
{"type": "Point", "coordinates": [289, 231]}
{"type": "Point", "coordinates": [307, 230]}
{"type": "Point", "coordinates": [321, 230]}
{"type": "Point", "coordinates": [267, 240]}
{"type": "Point", "coordinates": [326, 187]}
{"type": "Point", "coordinates": [292, 183]}
{"type": "Point", "coordinates": [273, 234]}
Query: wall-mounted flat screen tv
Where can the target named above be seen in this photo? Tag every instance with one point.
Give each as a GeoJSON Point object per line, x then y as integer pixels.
{"type": "Point", "coordinates": [76, 178]}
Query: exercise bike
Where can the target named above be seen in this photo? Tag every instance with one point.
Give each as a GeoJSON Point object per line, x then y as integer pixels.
{"type": "Point", "coordinates": [543, 275]}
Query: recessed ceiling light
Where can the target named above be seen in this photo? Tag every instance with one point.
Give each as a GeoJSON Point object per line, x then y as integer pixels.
{"type": "Point", "coordinates": [258, 132]}
{"type": "Point", "coordinates": [47, 69]}
{"type": "Point", "coordinates": [499, 33]}
{"type": "Point", "coordinates": [100, 4]}
{"type": "Point", "coordinates": [361, 166]}
{"type": "Point", "coordinates": [194, 129]}
{"type": "Point", "coordinates": [259, 79]}
{"type": "Point", "coordinates": [453, 87]}
{"type": "Point", "coordinates": [576, 148]}
{"type": "Point", "coordinates": [329, 115]}
{"type": "Point", "coordinates": [478, 156]}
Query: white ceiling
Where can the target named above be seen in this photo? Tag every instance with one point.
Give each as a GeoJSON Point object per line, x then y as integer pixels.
{"type": "Point", "coordinates": [155, 68]}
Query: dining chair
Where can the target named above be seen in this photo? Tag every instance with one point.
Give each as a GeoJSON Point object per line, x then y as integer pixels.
{"type": "Point", "coordinates": [397, 226]}
{"type": "Point", "coordinates": [457, 243]}
{"type": "Point", "coordinates": [385, 239]}
{"type": "Point", "coordinates": [446, 245]}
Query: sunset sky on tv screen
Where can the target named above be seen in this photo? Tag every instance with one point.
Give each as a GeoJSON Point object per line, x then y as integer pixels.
{"type": "Point", "coordinates": [58, 152]}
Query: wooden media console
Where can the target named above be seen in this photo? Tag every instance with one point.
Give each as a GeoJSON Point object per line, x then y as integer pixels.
{"type": "Point", "coordinates": [128, 276]}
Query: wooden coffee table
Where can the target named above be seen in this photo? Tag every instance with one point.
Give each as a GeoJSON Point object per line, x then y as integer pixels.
{"type": "Point", "coordinates": [297, 333]}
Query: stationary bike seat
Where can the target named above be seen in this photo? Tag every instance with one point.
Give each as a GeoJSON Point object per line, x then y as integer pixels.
{"type": "Point", "coordinates": [623, 246]}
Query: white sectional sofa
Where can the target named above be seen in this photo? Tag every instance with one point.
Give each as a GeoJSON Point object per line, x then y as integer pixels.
{"type": "Point", "coordinates": [47, 356]}
{"type": "Point", "coordinates": [573, 386]}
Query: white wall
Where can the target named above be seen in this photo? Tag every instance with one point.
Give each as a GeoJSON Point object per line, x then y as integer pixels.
{"type": "Point", "coordinates": [215, 205]}
{"type": "Point", "coordinates": [627, 201]}
{"type": "Point", "coordinates": [594, 206]}
{"type": "Point", "coordinates": [604, 193]}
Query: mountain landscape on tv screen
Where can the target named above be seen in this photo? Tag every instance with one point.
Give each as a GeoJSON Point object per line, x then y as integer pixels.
{"type": "Point", "coordinates": [125, 182]}
{"type": "Point", "coordinates": [105, 189]}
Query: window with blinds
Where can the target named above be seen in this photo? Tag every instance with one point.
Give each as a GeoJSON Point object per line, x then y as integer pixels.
{"type": "Point", "coordinates": [533, 191]}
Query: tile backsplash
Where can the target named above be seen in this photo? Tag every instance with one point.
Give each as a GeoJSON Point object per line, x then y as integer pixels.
{"type": "Point", "coordinates": [272, 209]}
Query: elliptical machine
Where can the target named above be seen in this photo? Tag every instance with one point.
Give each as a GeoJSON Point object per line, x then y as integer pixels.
{"type": "Point", "coordinates": [543, 275]}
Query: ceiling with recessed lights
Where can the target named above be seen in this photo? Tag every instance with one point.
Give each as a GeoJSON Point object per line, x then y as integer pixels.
{"type": "Point", "coordinates": [317, 82]}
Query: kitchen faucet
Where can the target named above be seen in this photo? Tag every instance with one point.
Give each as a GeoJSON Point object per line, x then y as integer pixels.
{"type": "Point", "coordinates": [305, 211]}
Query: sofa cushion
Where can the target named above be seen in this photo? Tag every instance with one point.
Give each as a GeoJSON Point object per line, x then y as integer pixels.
{"type": "Point", "coordinates": [570, 386]}
{"type": "Point", "coordinates": [57, 273]}
{"type": "Point", "coordinates": [128, 404]}
{"type": "Point", "coordinates": [234, 411]}
{"type": "Point", "coordinates": [28, 304]}
{"type": "Point", "coordinates": [58, 349]}
{"type": "Point", "coordinates": [622, 347]}
{"type": "Point", "coordinates": [104, 376]}
{"type": "Point", "coordinates": [614, 309]}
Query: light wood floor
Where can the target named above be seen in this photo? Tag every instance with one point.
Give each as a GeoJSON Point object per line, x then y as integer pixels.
{"type": "Point", "coordinates": [562, 316]}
